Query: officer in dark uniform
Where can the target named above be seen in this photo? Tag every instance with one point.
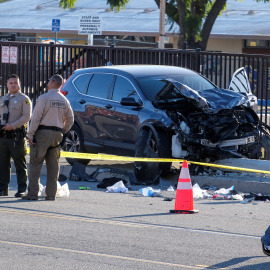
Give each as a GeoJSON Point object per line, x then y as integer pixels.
{"type": "Point", "coordinates": [15, 113]}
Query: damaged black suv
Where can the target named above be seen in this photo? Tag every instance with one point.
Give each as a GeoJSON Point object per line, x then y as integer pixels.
{"type": "Point", "coordinates": [162, 111]}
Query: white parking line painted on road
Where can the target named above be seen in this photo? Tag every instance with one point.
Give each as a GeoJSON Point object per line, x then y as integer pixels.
{"type": "Point", "coordinates": [109, 256]}
{"type": "Point", "coordinates": [123, 223]}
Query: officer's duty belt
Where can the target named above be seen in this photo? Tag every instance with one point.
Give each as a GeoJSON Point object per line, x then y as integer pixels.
{"type": "Point", "coordinates": [50, 128]}
{"type": "Point", "coordinates": [12, 134]}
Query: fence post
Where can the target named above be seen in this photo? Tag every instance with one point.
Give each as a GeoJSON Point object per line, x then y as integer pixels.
{"type": "Point", "coordinates": [184, 45]}
{"type": "Point", "coordinates": [111, 57]}
{"type": "Point", "coordinates": [52, 60]}
{"type": "Point", "coordinates": [198, 60]}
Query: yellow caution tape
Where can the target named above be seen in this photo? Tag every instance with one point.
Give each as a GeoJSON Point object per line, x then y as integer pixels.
{"type": "Point", "coordinates": [78, 155]}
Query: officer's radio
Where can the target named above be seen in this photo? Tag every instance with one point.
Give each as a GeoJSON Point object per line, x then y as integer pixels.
{"type": "Point", "coordinates": [5, 115]}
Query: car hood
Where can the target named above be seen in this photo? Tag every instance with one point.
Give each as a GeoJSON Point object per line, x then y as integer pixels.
{"type": "Point", "coordinates": [209, 101]}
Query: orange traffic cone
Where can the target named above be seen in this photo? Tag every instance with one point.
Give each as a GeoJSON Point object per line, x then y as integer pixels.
{"type": "Point", "coordinates": [184, 193]}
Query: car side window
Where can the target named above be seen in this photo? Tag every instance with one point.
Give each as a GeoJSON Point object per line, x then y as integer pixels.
{"type": "Point", "coordinates": [82, 82]}
{"type": "Point", "coordinates": [124, 88]}
{"type": "Point", "coordinates": [151, 87]}
{"type": "Point", "coordinates": [100, 85]}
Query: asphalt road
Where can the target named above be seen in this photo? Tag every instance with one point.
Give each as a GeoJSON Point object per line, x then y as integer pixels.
{"type": "Point", "coordinates": [94, 229]}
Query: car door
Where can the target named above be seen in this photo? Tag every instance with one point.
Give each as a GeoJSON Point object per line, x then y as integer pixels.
{"type": "Point", "coordinates": [122, 123]}
{"type": "Point", "coordinates": [97, 108]}
{"type": "Point", "coordinates": [240, 84]}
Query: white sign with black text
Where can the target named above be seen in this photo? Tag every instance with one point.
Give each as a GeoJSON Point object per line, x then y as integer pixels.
{"type": "Point", "coordinates": [89, 25]}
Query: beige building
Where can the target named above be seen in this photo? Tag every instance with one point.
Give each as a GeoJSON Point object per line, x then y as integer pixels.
{"type": "Point", "coordinates": [243, 28]}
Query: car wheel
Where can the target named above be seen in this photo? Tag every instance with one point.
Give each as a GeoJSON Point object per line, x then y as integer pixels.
{"type": "Point", "coordinates": [265, 146]}
{"type": "Point", "coordinates": [151, 145]}
{"type": "Point", "coordinates": [266, 252]}
{"type": "Point", "coordinates": [74, 143]}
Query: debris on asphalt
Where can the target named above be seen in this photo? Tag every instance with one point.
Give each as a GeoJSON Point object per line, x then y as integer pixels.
{"type": "Point", "coordinates": [117, 184]}
{"type": "Point", "coordinates": [221, 194]}
{"type": "Point", "coordinates": [150, 192]}
{"type": "Point", "coordinates": [170, 188]}
{"type": "Point", "coordinates": [78, 173]}
{"type": "Point", "coordinates": [106, 182]}
{"type": "Point", "coordinates": [118, 187]}
{"type": "Point", "coordinates": [255, 197]}
{"type": "Point", "coordinates": [260, 197]}
{"type": "Point", "coordinates": [197, 192]}
{"type": "Point", "coordinates": [116, 173]}
{"type": "Point", "coordinates": [62, 191]}
{"type": "Point", "coordinates": [224, 191]}
{"type": "Point", "coordinates": [168, 199]}
{"type": "Point", "coordinates": [84, 188]}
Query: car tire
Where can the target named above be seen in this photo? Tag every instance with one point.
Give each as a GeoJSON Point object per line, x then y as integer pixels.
{"type": "Point", "coordinates": [75, 143]}
{"type": "Point", "coordinates": [265, 145]}
{"type": "Point", "coordinates": [266, 252]}
{"type": "Point", "coordinates": [152, 145]}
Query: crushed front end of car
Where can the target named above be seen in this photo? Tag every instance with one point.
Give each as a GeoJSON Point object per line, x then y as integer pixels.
{"type": "Point", "coordinates": [211, 124]}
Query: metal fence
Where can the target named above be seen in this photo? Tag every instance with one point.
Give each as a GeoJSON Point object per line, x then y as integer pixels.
{"type": "Point", "coordinates": [37, 62]}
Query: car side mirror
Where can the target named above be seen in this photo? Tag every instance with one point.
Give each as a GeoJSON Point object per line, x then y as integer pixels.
{"type": "Point", "coordinates": [130, 101]}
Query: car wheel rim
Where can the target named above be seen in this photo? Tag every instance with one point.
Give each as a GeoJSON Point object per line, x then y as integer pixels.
{"type": "Point", "coordinates": [72, 142]}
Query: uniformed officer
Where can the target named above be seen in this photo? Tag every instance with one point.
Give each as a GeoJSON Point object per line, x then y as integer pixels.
{"type": "Point", "coordinates": [52, 116]}
{"type": "Point", "coordinates": [15, 111]}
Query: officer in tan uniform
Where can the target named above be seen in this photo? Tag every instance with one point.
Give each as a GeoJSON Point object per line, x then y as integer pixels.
{"type": "Point", "coordinates": [52, 116]}
{"type": "Point", "coordinates": [15, 112]}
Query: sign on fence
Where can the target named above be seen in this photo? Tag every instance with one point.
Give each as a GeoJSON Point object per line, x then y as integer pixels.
{"type": "Point", "coordinates": [13, 55]}
{"type": "Point", "coordinates": [5, 54]}
{"type": "Point", "coordinates": [9, 54]}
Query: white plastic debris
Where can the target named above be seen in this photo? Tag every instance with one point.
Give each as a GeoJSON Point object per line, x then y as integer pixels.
{"type": "Point", "coordinates": [170, 188]}
{"type": "Point", "coordinates": [62, 191]}
{"type": "Point", "coordinates": [41, 192]}
{"type": "Point", "coordinates": [150, 192]}
{"type": "Point", "coordinates": [237, 197]}
{"type": "Point", "coordinates": [199, 193]}
{"type": "Point", "coordinates": [224, 191]}
{"type": "Point", "coordinates": [118, 187]}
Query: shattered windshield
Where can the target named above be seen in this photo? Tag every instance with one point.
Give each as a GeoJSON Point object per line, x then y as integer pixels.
{"type": "Point", "coordinates": [153, 85]}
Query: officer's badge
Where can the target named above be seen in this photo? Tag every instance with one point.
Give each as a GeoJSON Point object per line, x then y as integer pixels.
{"type": "Point", "coordinates": [27, 101]}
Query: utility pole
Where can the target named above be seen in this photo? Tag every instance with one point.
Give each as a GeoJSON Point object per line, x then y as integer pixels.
{"type": "Point", "coordinates": [162, 8]}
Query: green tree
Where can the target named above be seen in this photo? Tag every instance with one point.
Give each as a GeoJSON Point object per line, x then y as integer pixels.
{"type": "Point", "coordinates": [195, 18]}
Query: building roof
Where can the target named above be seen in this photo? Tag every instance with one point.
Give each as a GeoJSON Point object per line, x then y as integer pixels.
{"type": "Point", "coordinates": [243, 19]}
